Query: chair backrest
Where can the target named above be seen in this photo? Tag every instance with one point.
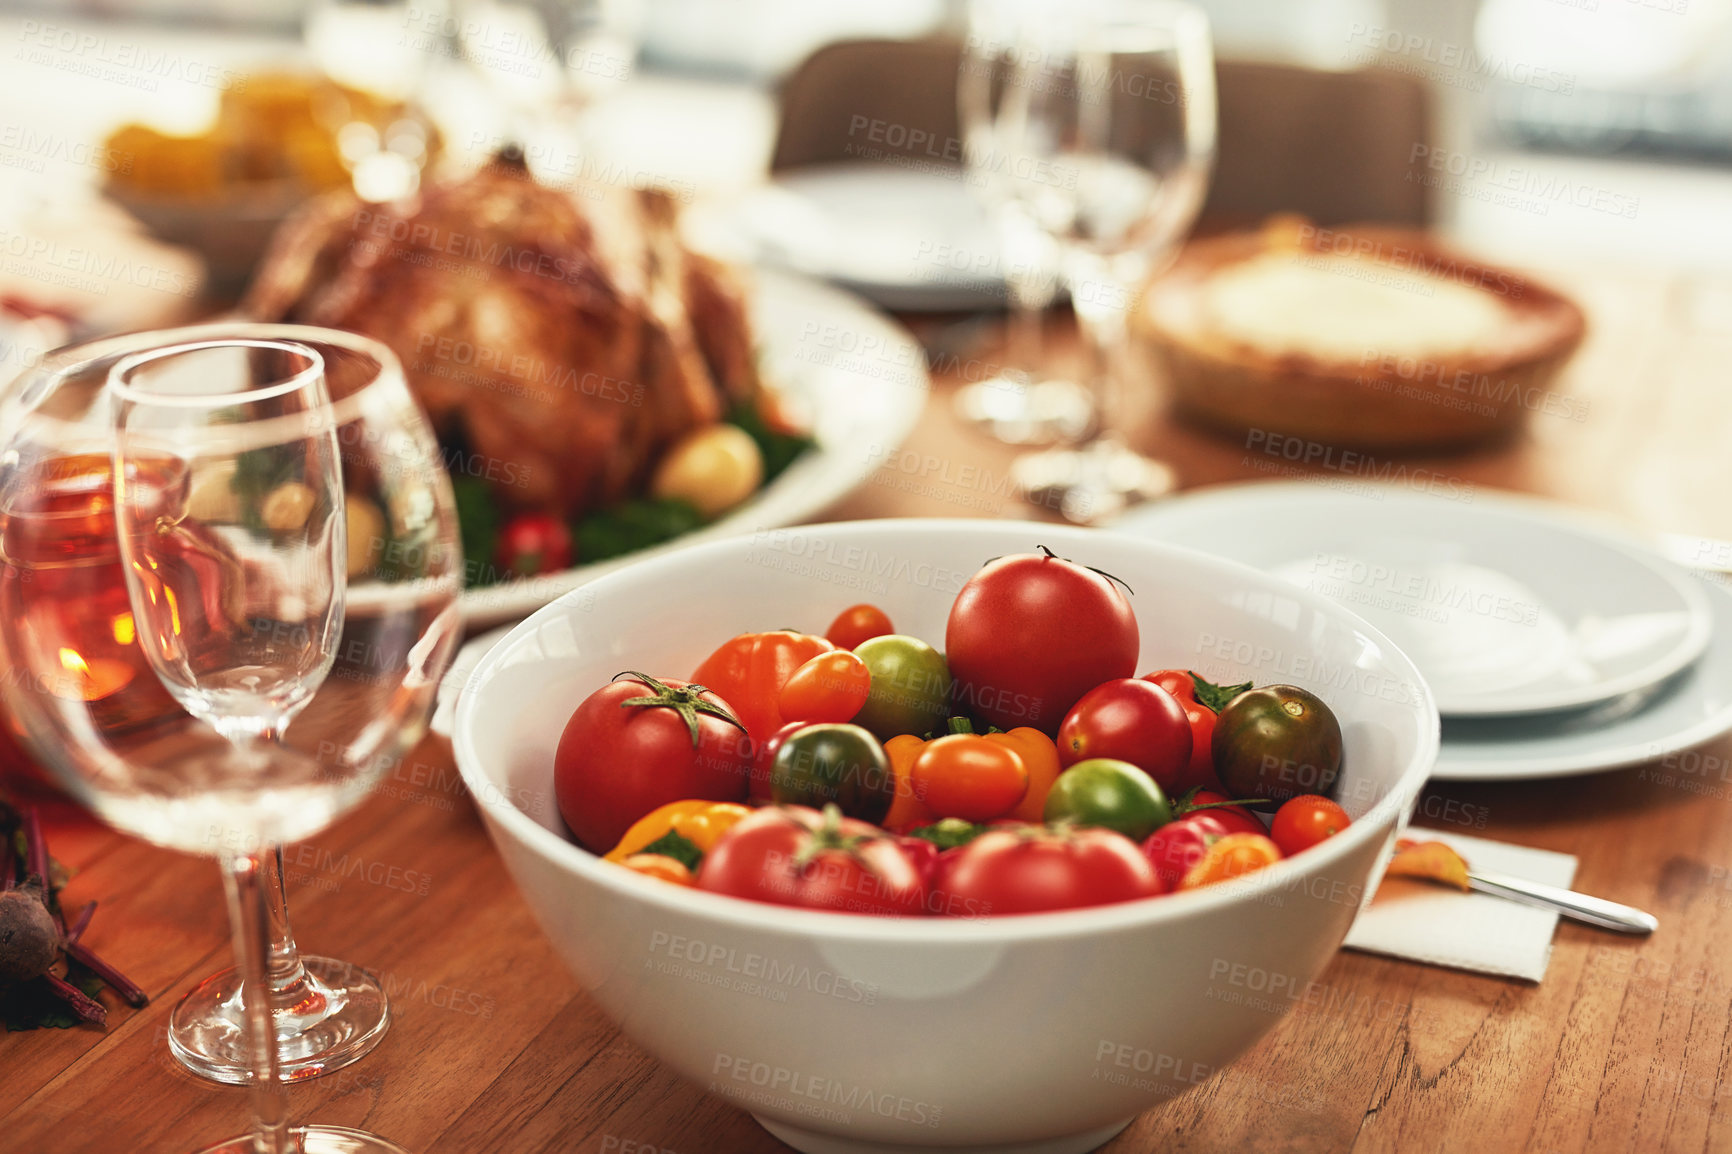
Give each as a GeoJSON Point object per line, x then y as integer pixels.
{"type": "Point", "coordinates": [1334, 146]}
{"type": "Point", "coordinates": [871, 100]}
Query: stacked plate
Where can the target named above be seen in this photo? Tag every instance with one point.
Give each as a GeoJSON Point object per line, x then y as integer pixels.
{"type": "Point", "coordinates": [1553, 644]}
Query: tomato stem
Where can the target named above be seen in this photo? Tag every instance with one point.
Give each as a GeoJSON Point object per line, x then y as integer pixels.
{"type": "Point", "coordinates": [687, 701]}
{"type": "Point", "coordinates": [1051, 556]}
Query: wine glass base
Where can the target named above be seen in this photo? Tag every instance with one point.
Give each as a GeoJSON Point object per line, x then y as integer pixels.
{"type": "Point", "coordinates": [1018, 413]}
{"type": "Point", "coordinates": [339, 1018]}
{"type": "Point", "coordinates": [315, 1140]}
{"type": "Point", "coordinates": [1093, 483]}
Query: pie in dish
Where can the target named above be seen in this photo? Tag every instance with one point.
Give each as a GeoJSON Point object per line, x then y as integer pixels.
{"type": "Point", "coordinates": [1368, 337]}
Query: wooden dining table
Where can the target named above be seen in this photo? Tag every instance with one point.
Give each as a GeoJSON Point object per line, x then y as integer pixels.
{"type": "Point", "coordinates": [1626, 1045]}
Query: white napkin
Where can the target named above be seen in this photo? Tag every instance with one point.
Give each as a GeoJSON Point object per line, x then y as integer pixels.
{"type": "Point", "coordinates": [1430, 923]}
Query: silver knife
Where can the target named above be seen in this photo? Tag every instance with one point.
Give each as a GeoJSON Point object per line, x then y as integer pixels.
{"type": "Point", "coordinates": [1579, 907]}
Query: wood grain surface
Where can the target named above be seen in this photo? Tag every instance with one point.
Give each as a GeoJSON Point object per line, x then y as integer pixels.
{"type": "Point", "coordinates": [1625, 1045]}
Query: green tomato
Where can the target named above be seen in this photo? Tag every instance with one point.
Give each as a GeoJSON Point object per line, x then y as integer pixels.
{"type": "Point", "coordinates": [1111, 794]}
{"type": "Point", "coordinates": [834, 763]}
{"type": "Point", "coordinates": [910, 687]}
{"type": "Point", "coordinates": [1276, 743]}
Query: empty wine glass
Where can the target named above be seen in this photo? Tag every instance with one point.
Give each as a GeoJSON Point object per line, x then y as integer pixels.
{"type": "Point", "coordinates": [549, 63]}
{"type": "Point", "coordinates": [1108, 126]}
{"type": "Point", "coordinates": [1016, 405]}
{"type": "Point", "coordinates": [287, 541]}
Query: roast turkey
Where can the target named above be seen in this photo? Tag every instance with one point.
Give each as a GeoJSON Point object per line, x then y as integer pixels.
{"type": "Point", "coordinates": [564, 338]}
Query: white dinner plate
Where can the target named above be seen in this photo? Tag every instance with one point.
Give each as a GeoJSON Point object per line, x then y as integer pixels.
{"type": "Point", "coordinates": [1680, 713]}
{"type": "Point", "coordinates": [910, 239]}
{"type": "Point", "coordinates": [857, 377]}
{"type": "Point", "coordinates": [1509, 606]}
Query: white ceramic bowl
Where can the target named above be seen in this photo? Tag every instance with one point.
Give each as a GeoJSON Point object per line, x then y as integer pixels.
{"type": "Point", "coordinates": [848, 1035]}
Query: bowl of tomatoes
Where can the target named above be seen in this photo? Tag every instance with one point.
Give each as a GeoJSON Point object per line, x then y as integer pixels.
{"type": "Point", "coordinates": [952, 834]}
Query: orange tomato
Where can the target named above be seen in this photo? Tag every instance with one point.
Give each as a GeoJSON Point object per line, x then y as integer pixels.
{"type": "Point", "coordinates": [907, 811]}
{"type": "Point", "coordinates": [1040, 758]}
{"type": "Point", "coordinates": [1305, 821]}
{"type": "Point", "coordinates": [830, 687]}
{"type": "Point", "coordinates": [654, 865]}
{"type": "Point", "coordinates": [1233, 856]}
{"type": "Point", "coordinates": [858, 623]}
{"type": "Point", "coordinates": [748, 673]}
{"type": "Point", "coordinates": [967, 776]}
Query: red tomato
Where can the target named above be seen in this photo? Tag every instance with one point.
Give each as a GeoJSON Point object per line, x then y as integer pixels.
{"type": "Point", "coordinates": [789, 855]}
{"type": "Point", "coordinates": [1030, 634]}
{"type": "Point", "coordinates": [1177, 846]}
{"type": "Point", "coordinates": [764, 759]}
{"type": "Point", "coordinates": [533, 543]}
{"type": "Point", "coordinates": [638, 743]}
{"type": "Point", "coordinates": [858, 623]}
{"type": "Point", "coordinates": [1236, 818]}
{"type": "Point", "coordinates": [1130, 720]}
{"type": "Point", "coordinates": [1200, 770]}
{"type": "Point", "coordinates": [1030, 870]}
{"type": "Point", "coordinates": [1305, 821]}
{"type": "Point", "coordinates": [923, 855]}
{"type": "Point", "coordinates": [829, 687]}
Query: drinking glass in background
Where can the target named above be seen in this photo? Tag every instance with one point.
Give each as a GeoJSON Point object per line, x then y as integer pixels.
{"type": "Point", "coordinates": [550, 64]}
{"type": "Point", "coordinates": [1108, 131]}
{"type": "Point", "coordinates": [383, 48]}
{"type": "Point", "coordinates": [280, 497]}
{"type": "Point", "coordinates": [1017, 405]}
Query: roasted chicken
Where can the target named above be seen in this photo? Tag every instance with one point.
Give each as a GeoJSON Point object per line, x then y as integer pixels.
{"type": "Point", "coordinates": [563, 340]}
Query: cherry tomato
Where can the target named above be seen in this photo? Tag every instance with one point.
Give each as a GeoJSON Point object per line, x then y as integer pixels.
{"type": "Point", "coordinates": [532, 543]}
{"type": "Point", "coordinates": [764, 760]}
{"type": "Point", "coordinates": [1236, 818]}
{"type": "Point", "coordinates": [922, 854]}
{"type": "Point", "coordinates": [834, 763]}
{"type": "Point", "coordinates": [794, 856]}
{"type": "Point", "coordinates": [637, 744]}
{"type": "Point", "coordinates": [654, 865]}
{"type": "Point", "coordinates": [967, 776]}
{"type": "Point", "coordinates": [1233, 856]}
{"type": "Point", "coordinates": [749, 670]}
{"type": "Point", "coordinates": [907, 811]}
{"type": "Point", "coordinates": [910, 686]}
{"type": "Point", "coordinates": [1277, 742]}
{"type": "Point", "coordinates": [1200, 771]}
{"type": "Point", "coordinates": [1130, 720]}
{"type": "Point", "coordinates": [1029, 870]}
{"type": "Point", "coordinates": [1177, 846]}
{"type": "Point", "coordinates": [1031, 633]}
{"type": "Point", "coordinates": [1110, 794]}
{"type": "Point", "coordinates": [858, 623]}
{"type": "Point", "coordinates": [830, 687]}
{"type": "Point", "coordinates": [1306, 821]}
{"type": "Point", "coordinates": [1040, 757]}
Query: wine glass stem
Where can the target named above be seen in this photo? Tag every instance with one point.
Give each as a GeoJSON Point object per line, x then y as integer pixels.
{"type": "Point", "coordinates": [287, 974]}
{"type": "Point", "coordinates": [1100, 313]}
{"type": "Point", "coordinates": [250, 920]}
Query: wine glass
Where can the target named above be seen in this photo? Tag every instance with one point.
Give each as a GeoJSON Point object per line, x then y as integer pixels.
{"type": "Point", "coordinates": [1015, 405]}
{"type": "Point", "coordinates": [1108, 133]}
{"type": "Point", "coordinates": [549, 63]}
{"type": "Point", "coordinates": [328, 1013]}
{"type": "Point", "coordinates": [288, 545]}
{"type": "Point", "coordinates": [381, 49]}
